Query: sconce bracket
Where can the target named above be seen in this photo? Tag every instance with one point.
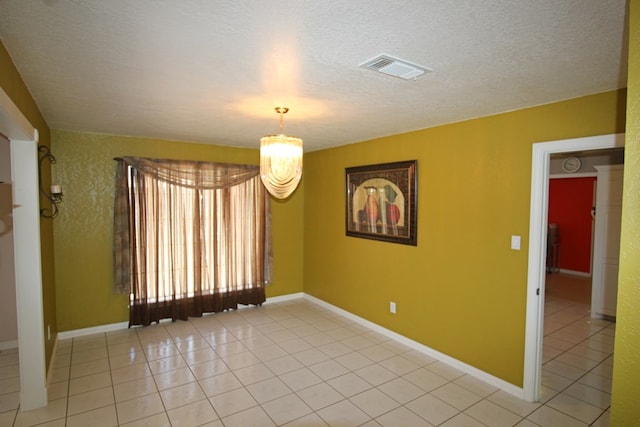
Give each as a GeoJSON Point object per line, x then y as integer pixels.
{"type": "Point", "coordinates": [54, 198]}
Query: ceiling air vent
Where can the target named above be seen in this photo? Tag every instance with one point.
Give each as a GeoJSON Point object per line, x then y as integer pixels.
{"type": "Point", "coordinates": [394, 67]}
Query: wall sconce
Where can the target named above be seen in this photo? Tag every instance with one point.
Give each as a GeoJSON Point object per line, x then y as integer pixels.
{"type": "Point", "coordinates": [55, 195]}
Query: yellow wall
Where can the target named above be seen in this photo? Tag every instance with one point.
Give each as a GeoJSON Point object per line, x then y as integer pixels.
{"type": "Point", "coordinates": [14, 87]}
{"type": "Point", "coordinates": [83, 230]}
{"type": "Point", "coordinates": [625, 410]}
{"type": "Point", "coordinates": [462, 289]}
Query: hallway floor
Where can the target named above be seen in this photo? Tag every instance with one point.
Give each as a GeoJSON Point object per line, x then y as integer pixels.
{"type": "Point", "coordinates": [296, 363]}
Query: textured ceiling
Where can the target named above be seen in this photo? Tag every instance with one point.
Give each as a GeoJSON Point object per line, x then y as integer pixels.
{"type": "Point", "coordinates": [212, 71]}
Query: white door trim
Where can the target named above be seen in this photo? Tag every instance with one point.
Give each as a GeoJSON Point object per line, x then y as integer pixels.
{"type": "Point", "coordinates": [28, 266]}
{"type": "Point", "coordinates": [537, 247]}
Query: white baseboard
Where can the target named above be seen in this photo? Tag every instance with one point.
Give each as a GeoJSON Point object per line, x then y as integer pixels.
{"type": "Point", "coordinates": [455, 363]}
{"type": "Point", "coordinates": [93, 330]}
{"type": "Point", "coordinates": [8, 345]}
{"type": "Point", "coordinates": [288, 297]}
{"type": "Point", "coordinates": [575, 273]}
{"type": "Point", "coordinates": [124, 325]}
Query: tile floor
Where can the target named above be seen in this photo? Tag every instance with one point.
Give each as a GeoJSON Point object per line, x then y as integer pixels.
{"type": "Point", "coordinates": [296, 363]}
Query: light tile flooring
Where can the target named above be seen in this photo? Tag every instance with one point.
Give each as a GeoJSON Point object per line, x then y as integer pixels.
{"type": "Point", "coordinates": [296, 363]}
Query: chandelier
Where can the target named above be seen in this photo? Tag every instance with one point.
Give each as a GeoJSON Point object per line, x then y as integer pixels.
{"type": "Point", "coordinates": [280, 161]}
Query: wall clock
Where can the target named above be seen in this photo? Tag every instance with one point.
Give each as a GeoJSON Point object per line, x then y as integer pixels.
{"type": "Point", "coordinates": [571, 164]}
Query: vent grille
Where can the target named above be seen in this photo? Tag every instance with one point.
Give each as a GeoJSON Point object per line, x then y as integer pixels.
{"type": "Point", "coordinates": [395, 67]}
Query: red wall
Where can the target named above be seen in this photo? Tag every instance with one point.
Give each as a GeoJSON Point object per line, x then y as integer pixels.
{"type": "Point", "coordinates": [570, 203]}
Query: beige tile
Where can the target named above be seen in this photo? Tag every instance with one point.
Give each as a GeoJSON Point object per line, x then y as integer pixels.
{"type": "Point", "coordinates": [161, 351]}
{"type": "Point", "coordinates": [160, 366]}
{"type": "Point", "coordinates": [56, 410]}
{"type": "Point", "coordinates": [475, 385]}
{"type": "Point", "coordinates": [194, 414]}
{"type": "Point", "coordinates": [491, 414]}
{"type": "Point", "coordinates": [199, 356]}
{"type": "Point", "coordinates": [432, 409]}
{"type": "Point", "coordinates": [59, 374]}
{"type": "Point", "coordinates": [89, 368]}
{"type": "Point", "coordinates": [401, 417]}
{"type": "Point", "coordinates": [375, 374]}
{"type": "Point", "coordinates": [128, 359]}
{"type": "Point", "coordinates": [232, 402]}
{"type": "Point", "coordinates": [284, 364]}
{"type": "Point", "coordinates": [603, 421]}
{"type": "Point", "coordinates": [182, 395]}
{"type": "Point", "coordinates": [135, 388]}
{"type": "Point", "coordinates": [209, 369]}
{"type": "Point", "coordinates": [456, 396]}
{"type": "Point", "coordinates": [219, 384]}
{"type": "Point", "coordinates": [307, 421]}
{"type": "Point", "coordinates": [358, 342]}
{"type": "Point", "coordinates": [590, 395]}
{"type": "Point", "coordinates": [546, 416]}
{"type": "Point", "coordinates": [462, 420]}
{"type": "Point", "coordinates": [174, 378]}
{"type": "Point", "coordinates": [377, 353]}
{"type": "Point", "coordinates": [328, 369]}
{"type": "Point", "coordinates": [140, 407]}
{"type": "Point", "coordinates": [130, 373]}
{"type": "Point", "coordinates": [286, 408]}
{"type": "Point", "coordinates": [564, 370]}
{"type": "Point", "coordinates": [320, 396]}
{"type": "Point", "coordinates": [374, 402]}
{"type": "Point", "coordinates": [89, 383]}
{"type": "Point", "coordinates": [253, 374]}
{"type": "Point", "coordinates": [445, 370]}
{"type": "Point", "coordinates": [399, 365]}
{"type": "Point", "coordinates": [576, 408]}
{"type": "Point", "coordinates": [349, 385]}
{"type": "Point", "coordinates": [299, 379]}
{"type": "Point", "coordinates": [267, 390]}
{"type": "Point", "coordinates": [57, 391]}
{"type": "Point", "coordinates": [158, 420]}
{"type": "Point", "coordinates": [9, 401]}
{"type": "Point", "coordinates": [513, 404]}
{"type": "Point", "coordinates": [90, 400]}
{"type": "Point", "coordinates": [240, 360]}
{"type": "Point", "coordinates": [192, 344]}
{"type": "Point", "coordinates": [89, 342]}
{"type": "Point", "coordinates": [335, 349]}
{"type": "Point", "coordinates": [343, 413]}
{"type": "Point", "coordinates": [102, 417]}
{"type": "Point", "coordinates": [596, 381]}
{"type": "Point", "coordinates": [89, 355]}
{"type": "Point", "coordinates": [230, 348]}
{"type": "Point", "coordinates": [401, 390]}
{"type": "Point", "coordinates": [7, 418]}
{"type": "Point", "coordinates": [255, 417]}
{"type": "Point", "coordinates": [426, 379]}
{"type": "Point", "coordinates": [354, 361]}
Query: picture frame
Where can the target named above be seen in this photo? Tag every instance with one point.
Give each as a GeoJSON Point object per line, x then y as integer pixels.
{"type": "Point", "coordinates": [381, 202]}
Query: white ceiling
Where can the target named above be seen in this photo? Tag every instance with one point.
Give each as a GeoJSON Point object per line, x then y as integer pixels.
{"type": "Point", "coordinates": [212, 71]}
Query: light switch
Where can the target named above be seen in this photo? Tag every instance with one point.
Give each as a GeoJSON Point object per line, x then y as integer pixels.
{"type": "Point", "coordinates": [515, 243]}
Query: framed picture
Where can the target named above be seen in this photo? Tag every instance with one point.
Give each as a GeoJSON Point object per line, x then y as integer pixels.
{"type": "Point", "coordinates": [381, 202]}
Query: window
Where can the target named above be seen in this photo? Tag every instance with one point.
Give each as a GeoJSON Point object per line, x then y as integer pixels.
{"type": "Point", "coordinates": [190, 237]}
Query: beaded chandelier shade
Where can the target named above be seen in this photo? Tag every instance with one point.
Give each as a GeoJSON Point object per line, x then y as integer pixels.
{"type": "Point", "coordinates": [280, 161]}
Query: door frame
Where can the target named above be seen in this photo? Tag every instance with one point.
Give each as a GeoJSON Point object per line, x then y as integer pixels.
{"type": "Point", "coordinates": [23, 146]}
{"type": "Point", "coordinates": [539, 206]}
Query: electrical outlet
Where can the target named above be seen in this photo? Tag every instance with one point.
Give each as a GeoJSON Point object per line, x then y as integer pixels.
{"type": "Point", "coordinates": [392, 307]}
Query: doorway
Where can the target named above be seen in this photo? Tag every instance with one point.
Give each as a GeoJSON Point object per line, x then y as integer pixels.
{"type": "Point", "coordinates": [537, 248]}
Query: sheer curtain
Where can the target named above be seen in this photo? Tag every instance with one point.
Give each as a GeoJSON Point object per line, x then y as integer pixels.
{"type": "Point", "coordinates": [189, 237]}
